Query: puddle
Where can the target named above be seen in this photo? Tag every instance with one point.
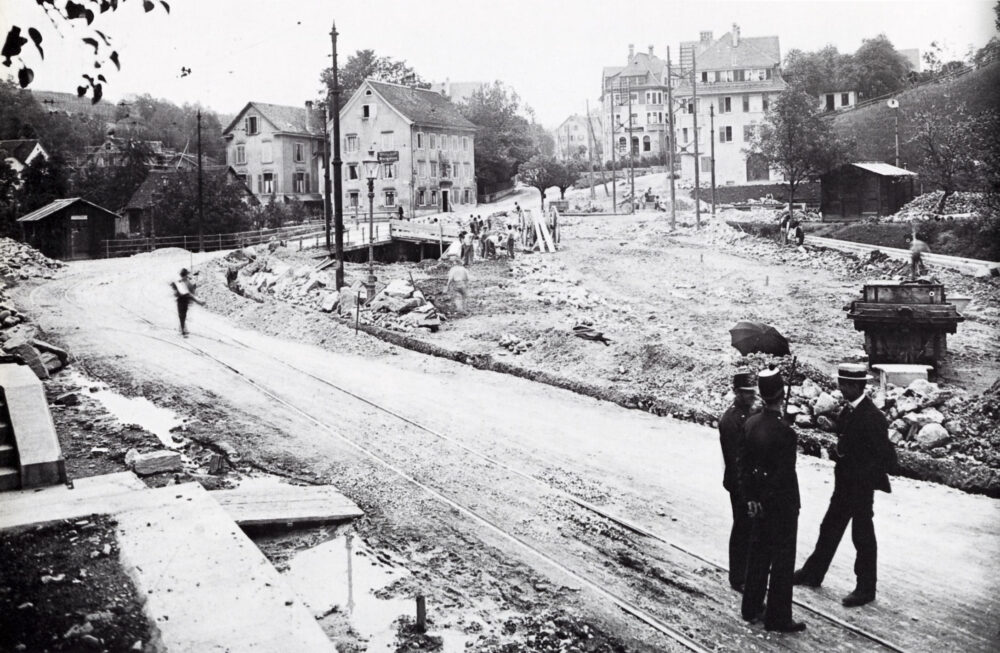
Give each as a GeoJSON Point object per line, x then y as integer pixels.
{"type": "Point", "coordinates": [345, 573]}
{"type": "Point", "coordinates": [135, 410]}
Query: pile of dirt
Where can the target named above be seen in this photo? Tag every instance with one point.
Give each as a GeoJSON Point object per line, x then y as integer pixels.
{"type": "Point", "coordinates": [63, 588]}
{"type": "Point", "coordinates": [20, 261]}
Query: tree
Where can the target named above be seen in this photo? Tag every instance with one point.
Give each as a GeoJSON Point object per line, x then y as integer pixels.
{"type": "Point", "coordinates": [540, 172]}
{"type": "Point", "coordinates": [952, 143]}
{"type": "Point", "coordinates": [824, 71]}
{"type": "Point", "coordinates": [564, 175]}
{"type": "Point", "coordinates": [364, 64]}
{"type": "Point", "coordinates": [9, 180]}
{"type": "Point", "coordinates": [69, 17]}
{"type": "Point", "coordinates": [113, 186]}
{"type": "Point", "coordinates": [796, 141]}
{"type": "Point", "coordinates": [878, 69]}
{"type": "Point", "coordinates": [42, 181]}
{"type": "Point", "coordinates": [224, 203]}
{"type": "Point", "coordinates": [505, 138]}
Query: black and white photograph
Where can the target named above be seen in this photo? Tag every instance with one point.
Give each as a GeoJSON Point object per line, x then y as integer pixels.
{"type": "Point", "coordinates": [540, 326]}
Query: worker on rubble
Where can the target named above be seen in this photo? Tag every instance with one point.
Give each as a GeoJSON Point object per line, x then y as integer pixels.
{"type": "Point", "coordinates": [864, 456]}
{"type": "Point", "coordinates": [731, 438]}
{"type": "Point", "coordinates": [771, 491]}
{"type": "Point", "coordinates": [458, 285]}
{"type": "Point", "coordinates": [184, 294]}
{"type": "Point", "coordinates": [511, 239]}
{"type": "Point", "coordinates": [468, 248]}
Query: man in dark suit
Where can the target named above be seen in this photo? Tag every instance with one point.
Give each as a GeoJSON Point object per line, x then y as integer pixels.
{"type": "Point", "coordinates": [731, 438]}
{"type": "Point", "coordinates": [863, 455]}
{"type": "Point", "coordinates": [771, 489]}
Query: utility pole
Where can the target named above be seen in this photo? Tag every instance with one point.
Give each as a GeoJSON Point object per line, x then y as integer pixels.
{"type": "Point", "coordinates": [338, 193]}
{"type": "Point", "coordinates": [614, 155]}
{"type": "Point", "coordinates": [590, 152]}
{"type": "Point", "coordinates": [670, 113]}
{"type": "Point", "coordinates": [201, 215]}
{"type": "Point", "coordinates": [631, 153]}
{"type": "Point", "coordinates": [711, 120]}
{"type": "Point", "coordinates": [327, 206]}
{"type": "Point", "coordinates": [697, 158]}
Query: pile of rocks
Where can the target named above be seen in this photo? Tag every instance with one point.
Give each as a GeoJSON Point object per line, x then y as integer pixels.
{"type": "Point", "coordinates": [24, 262]}
{"type": "Point", "coordinates": [514, 344]}
{"type": "Point", "coordinates": [923, 206]}
{"type": "Point", "coordinates": [400, 307]}
{"type": "Point", "coordinates": [550, 284]}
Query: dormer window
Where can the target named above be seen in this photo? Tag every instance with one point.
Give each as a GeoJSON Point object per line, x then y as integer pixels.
{"type": "Point", "coordinates": [251, 125]}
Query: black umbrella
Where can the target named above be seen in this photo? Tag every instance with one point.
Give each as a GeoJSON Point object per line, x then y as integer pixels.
{"type": "Point", "coordinates": [750, 337]}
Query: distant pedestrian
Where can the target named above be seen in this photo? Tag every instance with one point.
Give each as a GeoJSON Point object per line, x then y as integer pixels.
{"type": "Point", "coordinates": [184, 293]}
{"type": "Point", "coordinates": [731, 438]}
{"type": "Point", "coordinates": [489, 223]}
{"type": "Point", "coordinates": [864, 456]}
{"type": "Point", "coordinates": [786, 218]}
{"type": "Point", "coordinates": [511, 239]}
{"type": "Point", "coordinates": [400, 211]}
{"type": "Point", "coordinates": [798, 233]}
{"type": "Point", "coordinates": [458, 285]}
{"type": "Point", "coordinates": [771, 490]}
{"type": "Point", "coordinates": [468, 248]}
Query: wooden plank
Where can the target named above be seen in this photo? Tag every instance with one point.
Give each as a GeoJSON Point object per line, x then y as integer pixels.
{"type": "Point", "coordinates": [286, 504]}
{"type": "Point", "coordinates": [545, 237]}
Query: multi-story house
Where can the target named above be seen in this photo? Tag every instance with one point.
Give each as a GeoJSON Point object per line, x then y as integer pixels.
{"type": "Point", "coordinates": [574, 139]}
{"type": "Point", "coordinates": [738, 77]}
{"type": "Point", "coordinates": [641, 84]}
{"type": "Point", "coordinates": [436, 163]}
{"type": "Point", "coordinates": [277, 151]}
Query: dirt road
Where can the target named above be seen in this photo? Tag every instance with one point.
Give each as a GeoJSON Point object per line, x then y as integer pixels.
{"type": "Point", "coordinates": [488, 556]}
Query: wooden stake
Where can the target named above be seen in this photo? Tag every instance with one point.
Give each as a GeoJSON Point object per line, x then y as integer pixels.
{"type": "Point", "coordinates": [421, 613]}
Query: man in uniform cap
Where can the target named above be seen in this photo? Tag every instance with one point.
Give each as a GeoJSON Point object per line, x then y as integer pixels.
{"type": "Point", "coordinates": [731, 438]}
{"type": "Point", "coordinates": [864, 456]}
{"type": "Point", "coordinates": [771, 489]}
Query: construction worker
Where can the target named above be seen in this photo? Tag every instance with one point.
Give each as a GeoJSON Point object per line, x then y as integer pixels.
{"type": "Point", "coordinates": [184, 294]}
{"type": "Point", "coordinates": [458, 285]}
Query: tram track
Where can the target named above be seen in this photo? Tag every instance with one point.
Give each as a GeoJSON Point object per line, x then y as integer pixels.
{"type": "Point", "coordinates": [614, 598]}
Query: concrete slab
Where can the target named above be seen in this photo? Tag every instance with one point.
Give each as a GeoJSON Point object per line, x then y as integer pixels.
{"type": "Point", "coordinates": [286, 504]}
{"type": "Point", "coordinates": [41, 459]}
{"type": "Point", "coordinates": [902, 375]}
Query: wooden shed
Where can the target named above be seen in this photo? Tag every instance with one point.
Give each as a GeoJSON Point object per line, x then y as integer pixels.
{"type": "Point", "coordinates": [69, 229]}
{"type": "Point", "coordinates": [861, 190]}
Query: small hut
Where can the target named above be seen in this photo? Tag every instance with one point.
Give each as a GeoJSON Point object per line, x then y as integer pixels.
{"type": "Point", "coordinates": [69, 229]}
{"type": "Point", "coordinates": [861, 190]}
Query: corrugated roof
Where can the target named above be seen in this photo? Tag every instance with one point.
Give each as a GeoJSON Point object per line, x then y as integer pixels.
{"type": "Point", "coordinates": [19, 148]}
{"type": "Point", "coordinates": [752, 52]}
{"type": "Point", "coordinates": [49, 209]}
{"type": "Point", "coordinates": [884, 169]}
{"type": "Point", "coordinates": [422, 106]}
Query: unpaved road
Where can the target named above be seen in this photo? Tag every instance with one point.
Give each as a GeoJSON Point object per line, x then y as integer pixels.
{"type": "Point", "coordinates": [939, 548]}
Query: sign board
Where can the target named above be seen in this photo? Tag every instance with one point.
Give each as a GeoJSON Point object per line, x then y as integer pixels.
{"type": "Point", "coordinates": [388, 156]}
{"type": "Point", "coordinates": [77, 217]}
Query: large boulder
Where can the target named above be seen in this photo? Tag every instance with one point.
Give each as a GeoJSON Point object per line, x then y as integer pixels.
{"type": "Point", "coordinates": [810, 389]}
{"type": "Point", "coordinates": [23, 349]}
{"type": "Point", "coordinates": [924, 417]}
{"type": "Point", "coordinates": [923, 388]}
{"type": "Point", "coordinates": [825, 404]}
{"type": "Point", "coordinates": [399, 288]}
{"type": "Point", "coordinates": [932, 435]}
{"type": "Point", "coordinates": [156, 462]}
{"type": "Point", "coordinates": [330, 302]}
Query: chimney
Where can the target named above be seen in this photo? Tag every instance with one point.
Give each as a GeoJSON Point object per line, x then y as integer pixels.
{"type": "Point", "coordinates": [631, 52]}
{"type": "Point", "coordinates": [309, 110]}
{"type": "Point", "coordinates": [706, 37]}
{"type": "Point", "coordinates": [736, 35]}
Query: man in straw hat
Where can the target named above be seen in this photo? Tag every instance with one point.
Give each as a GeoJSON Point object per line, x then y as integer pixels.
{"type": "Point", "coordinates": [771, 488]}
{"type": "Point", "coordinates": [863, 456]}
{"type": "Point", "coordinates": [731, 438]}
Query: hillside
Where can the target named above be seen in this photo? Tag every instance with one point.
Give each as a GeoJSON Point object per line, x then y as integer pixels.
{"type": "Point", "coordinates": [871, 127]}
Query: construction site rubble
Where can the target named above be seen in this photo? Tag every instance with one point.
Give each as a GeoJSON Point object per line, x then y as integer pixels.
{"type": "Point", "coordinates": [20, 261]}
{"type": "Point", "coordinates": [924, 207]}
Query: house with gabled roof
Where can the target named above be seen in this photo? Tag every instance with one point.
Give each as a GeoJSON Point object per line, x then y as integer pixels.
{"type": "Point", "coordinates": [19, 153]}
{"type": "Point", "coordinates": [641, 83]}
{"type": "Point", "coordinates": [277, 151]}
{"type": "Point", "coordinates": [435, 144]}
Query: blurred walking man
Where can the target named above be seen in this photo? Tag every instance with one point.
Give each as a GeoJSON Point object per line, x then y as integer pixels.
{"type": "Point", "coordinates": [864, 456]}
{"type": "Point", "coordinates": [731, 438]}
{"type": "Point", "coordinates": [184, 293]}
{"type": "Point", "coordinates": [458, 285]}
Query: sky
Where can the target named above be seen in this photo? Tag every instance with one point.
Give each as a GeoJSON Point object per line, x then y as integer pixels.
{"type": "Point", "coordinates": [550, 51]}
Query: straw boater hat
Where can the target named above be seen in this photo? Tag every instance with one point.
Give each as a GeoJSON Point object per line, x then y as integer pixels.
{"type": "Point", "coordinates": [853, 372]}
{"type": "Point", "coordinates": [743, 380]}
{"type": "Point", "coordinates": [771, 385]}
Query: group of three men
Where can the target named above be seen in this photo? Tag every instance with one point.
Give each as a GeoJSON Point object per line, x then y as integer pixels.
{"type": "Point", "coordinates": [759, 450]}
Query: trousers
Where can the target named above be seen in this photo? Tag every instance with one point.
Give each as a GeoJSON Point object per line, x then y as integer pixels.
{"type": "Point", "coordinates": [182, 311]}
{"type": "Point", "coordinates": [770, 565]}
{"type": "Point", "coordinates": [739, 540]}
{"type": "Point", "coordinates": [849, 503]}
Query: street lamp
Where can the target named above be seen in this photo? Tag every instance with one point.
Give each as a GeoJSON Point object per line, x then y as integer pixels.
{"type": "Point", "coordinates": [894, 105]}
{"type": "Point", "coordinates": [371, 173]}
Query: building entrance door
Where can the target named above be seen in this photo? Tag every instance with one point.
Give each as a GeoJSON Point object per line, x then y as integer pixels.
{"type": "Point", "coordinates": [79, 237]}
{"type": "Point", "coordinates": [444, 201]}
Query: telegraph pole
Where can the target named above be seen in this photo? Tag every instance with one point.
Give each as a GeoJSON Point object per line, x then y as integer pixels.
{"type": "Point", "coordinates": [327, 206]}
{"type": "Point", "coordinates": [711, 120]}
{"type": "Point", "coordinates": [697, 159]}
{"type": "Point", "coordinates": [201, 215]}
{"type": "Point", "coordinates": [614, 155]}
{"type": "Point", "coordinates": [590, 152]}
{"type": "Point", "coordinates": [338, 193]}
{"type": "Point", "coordinates": [631, 154]}
{"type": "Point", "coordinates": [670, 113]}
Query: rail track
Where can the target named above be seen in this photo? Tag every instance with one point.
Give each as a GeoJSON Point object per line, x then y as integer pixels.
{"type": "Point", "coordinates": [612, 597]}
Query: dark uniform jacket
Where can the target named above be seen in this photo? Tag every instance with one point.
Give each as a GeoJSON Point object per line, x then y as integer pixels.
{"type": "Point", "coordinates": [767, 461]}
{"type": "Point", "coordinates": [864, 454]}
{"type": "Point", "coordinates": [731, 437]}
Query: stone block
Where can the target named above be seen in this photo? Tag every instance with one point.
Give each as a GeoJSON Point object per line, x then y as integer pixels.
{"type": "Point", "coordinates": [902, 375]}
{"type": "Point", "coordinates": [804, 420]}
{"type": "Point", "coordinates": [23, 349]}
{"type": "Point", "coordinates": [825, 404]}
{"type": "Point", "coordinates": [932, 435]}
{"type": "Point", "coordinates": [61, 353]}
{"type": "Point", "coordinates": [398, 288]}
{"type": "Point", "coordinates": [330, 302]}
{"type": "Point", "coordinates": [156, 462]}
{"type": "Point", "coordinates": [924, 417]}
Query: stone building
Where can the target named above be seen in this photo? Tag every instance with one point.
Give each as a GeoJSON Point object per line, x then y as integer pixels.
{"type": "Point", "coordinates": [573, 138]}
{"type": "Point", "coordinates": [436, 163]}
{"type": "Point", "coordinates": [644, 78]}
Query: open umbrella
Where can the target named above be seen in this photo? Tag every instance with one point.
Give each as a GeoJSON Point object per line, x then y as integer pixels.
{"type": "Point", "coordinates": [750, 337]}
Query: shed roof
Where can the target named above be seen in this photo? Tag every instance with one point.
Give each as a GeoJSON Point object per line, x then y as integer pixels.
{"type": "Point", "coordinates": [58, 205]}
{"type": "Point", "coordinates": [422, 106]}
{"type": "Point", "coordinates": [884, 169]}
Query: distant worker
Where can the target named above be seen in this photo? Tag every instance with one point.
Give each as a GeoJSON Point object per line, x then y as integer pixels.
{"type": "Point", "coordinates": [731, 438]}
{"type": "Point", "coordinates": [771, 490]}
{"type": "Point", "coordinates": [400, 211]}
{"type": "Point", "coordinates": [918, 247]}
{"type": "Point", "coordinates": [184, 293]}
{"type": "Point", "coordinates": [511, 239]}
{"type": "Point", "coordinates": [786, 218]}
{"type": "Point", "coordinates": [468, 248]}
{"type": "Point", "coordinates": [458, 285]}
{"type": "Point", "coordinates": [864, 456]}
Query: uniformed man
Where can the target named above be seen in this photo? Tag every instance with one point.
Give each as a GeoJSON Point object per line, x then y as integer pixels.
{"type": "Point", "coordinates": [864, 456]}
{"type": "Point", "coordinates": [731, 438]}
{"type": "Point", "coordinates": [771, 489]}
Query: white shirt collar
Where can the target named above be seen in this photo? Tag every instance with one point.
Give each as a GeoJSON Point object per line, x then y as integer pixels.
{"type": "Point", "coordinates": [854, 404]}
